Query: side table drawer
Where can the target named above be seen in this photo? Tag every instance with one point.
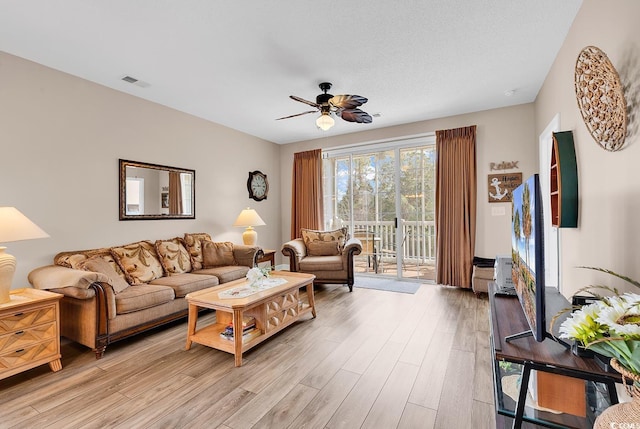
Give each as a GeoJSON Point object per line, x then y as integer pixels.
{"type": "Point", "coordinates": [22, 320]}
{"type": "Point", "coordinates": [281, 303]}
{"type": "Point", "coordinates": [35, 352]}
{"type": "Point", "coordinates": [21, 339]}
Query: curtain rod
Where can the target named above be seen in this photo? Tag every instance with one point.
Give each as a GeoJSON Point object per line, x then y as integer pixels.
{"type": "Point", "coordinates": [428, 138]}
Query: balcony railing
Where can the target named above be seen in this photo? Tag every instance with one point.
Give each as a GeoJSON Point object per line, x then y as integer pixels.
{"type": "Point", "coordinates": [418, 238]}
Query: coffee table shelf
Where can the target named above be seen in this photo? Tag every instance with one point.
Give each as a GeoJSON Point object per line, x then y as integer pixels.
{"type": "Point", "coordinates": [273, 310]}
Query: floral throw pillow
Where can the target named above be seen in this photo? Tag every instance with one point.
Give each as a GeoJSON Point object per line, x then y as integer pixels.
{"type": "Point", "coordinates": [76, 258]}
{"type": "Point", "coordinates": [139, 261]}
{"type": "Point", "coordinates": [340, 236]}
{"type": "Point", "coordinates": [194, 247]}
{"type": "Point", "coordinates": [98, 264]}
{"type": "Point", "coordinates": [173, 256]}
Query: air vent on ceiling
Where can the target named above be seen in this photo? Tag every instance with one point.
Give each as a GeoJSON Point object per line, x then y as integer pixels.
{"type": "Point", "coordinates": [135, 81]}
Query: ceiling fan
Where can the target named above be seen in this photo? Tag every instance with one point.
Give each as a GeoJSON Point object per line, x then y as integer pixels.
{"type": "Point", "coordinates": [344, 106]}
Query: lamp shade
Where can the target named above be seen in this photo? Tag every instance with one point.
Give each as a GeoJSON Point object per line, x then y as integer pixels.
{"type": "Point", "coordinates": [325, 121]}
{"type": "Point", "coordinates": [249, 217]}
{"type": "Point", "coordinates": [14, 226]}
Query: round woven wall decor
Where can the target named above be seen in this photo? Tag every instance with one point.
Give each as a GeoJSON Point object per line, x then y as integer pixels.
{"type": "Point", "coordinates": [601, 98]}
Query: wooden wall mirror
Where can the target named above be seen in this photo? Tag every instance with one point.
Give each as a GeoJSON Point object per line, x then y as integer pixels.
{"type": "Point", "coordinates": [151, 191]}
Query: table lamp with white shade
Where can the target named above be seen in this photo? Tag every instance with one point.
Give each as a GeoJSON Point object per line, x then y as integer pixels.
{"type": "Point", "coordinates": [14, 226]}
{"type": "Point", "coordinates": [249, 218]}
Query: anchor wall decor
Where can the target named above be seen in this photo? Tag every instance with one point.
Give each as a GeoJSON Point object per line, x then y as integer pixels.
{"type": "Point", "coordinates": [501, 185]}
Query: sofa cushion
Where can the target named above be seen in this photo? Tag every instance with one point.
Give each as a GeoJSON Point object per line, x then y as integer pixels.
{"type": "Point", "coordinates": [338, 235]}
{"type": "Point", "coordinates": [323, 248]}
{"type": "Point", "coordinates": [226, 274]}
{"type": "Point", "coordinates": [98, 264]}
{"type": "Point", "coordinates": [321, 263]}
{"type": "Point", "coordinates": [215, 254]}
{"type": "Point", "coordinates": [185, 283]}
{"type": "Point", "coordinates": [139, 262]}
{"type": "Point", "coordinates": [194, 246]}
{"type": "Point", "coordinates": [245, 255]}
{"type": "Point", "coordinates": [74, 258]}
{"type": "Point", "coordinates": [142, 296]}
{"type": "Point", "coordinates": [173, 256]}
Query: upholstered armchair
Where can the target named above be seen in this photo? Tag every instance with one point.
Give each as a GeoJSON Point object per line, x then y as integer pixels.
{"type": "Point", "coordinates": [326, 254]}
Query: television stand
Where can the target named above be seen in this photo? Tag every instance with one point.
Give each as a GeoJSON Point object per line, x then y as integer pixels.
{"type": "Point", "coordinates": [526, 355]}
{"type": "Point", "coordinates": [528, 333]}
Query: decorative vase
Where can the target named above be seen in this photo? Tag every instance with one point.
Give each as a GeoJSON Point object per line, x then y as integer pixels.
{"type": "Point", "coordinates": [626, 414]}
{"type": "Point", "coordinates": [257, 283]}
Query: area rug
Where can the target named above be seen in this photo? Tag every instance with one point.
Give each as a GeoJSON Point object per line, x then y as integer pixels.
{"type": "Point", "coordinates": [390, 285]}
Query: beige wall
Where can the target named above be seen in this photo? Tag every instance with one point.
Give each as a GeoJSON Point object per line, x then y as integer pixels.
{"type": "Point", "coordinates": [61, 138]}
{"type": "Point", "coordinates": [505, 134]}
{"type": "Point", "coordinates": [608, 233]}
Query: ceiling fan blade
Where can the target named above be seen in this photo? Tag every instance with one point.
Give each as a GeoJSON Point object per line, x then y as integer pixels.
{"type": "Point", "coordinates": [297, 114]}
{"type": "Point", "coordinates": [356, 115]}
{"type": "Point", "coordinates": [302, 100]}
{"type": "Point", "coordinates": [347, 101]}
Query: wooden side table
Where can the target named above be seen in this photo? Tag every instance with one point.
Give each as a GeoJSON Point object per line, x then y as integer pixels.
{"type": "Point", "coordinates": [269, 256]}
{"type": "Point", "coordinates": [29, 331]}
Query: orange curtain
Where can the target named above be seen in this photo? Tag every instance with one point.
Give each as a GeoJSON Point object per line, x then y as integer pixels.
{"type": "Point", "coordinates": [175, 193]}
{"type": "Point", "coordinates": [306, 192]}
{"type": "Point", "coordinates": [455, 205]}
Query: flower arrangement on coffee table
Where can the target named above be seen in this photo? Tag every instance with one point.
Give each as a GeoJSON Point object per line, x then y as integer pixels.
{"type": "Point", "coordinates": [257, 275]}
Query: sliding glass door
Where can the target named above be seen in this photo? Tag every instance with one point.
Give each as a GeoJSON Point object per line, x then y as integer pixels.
{"type": "Point", "coordinates": [385, 196]}
{"type": "Point", "coordinates": [417, 211]}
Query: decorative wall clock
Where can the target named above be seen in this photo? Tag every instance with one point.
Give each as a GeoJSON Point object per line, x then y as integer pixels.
{"type": "Point", "coordinates": [601, 98]}
{"type": "Point", "coordinates": [258, 185]}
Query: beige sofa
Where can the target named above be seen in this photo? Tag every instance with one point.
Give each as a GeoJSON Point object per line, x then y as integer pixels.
{"type": "Point", "coordinates": [326, 254]}
{"type": "Point", "coordinates": [114, 293]}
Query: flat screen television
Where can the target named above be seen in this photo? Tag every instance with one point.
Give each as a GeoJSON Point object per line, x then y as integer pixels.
{"type": "Point", "coordinates": [527, 253]}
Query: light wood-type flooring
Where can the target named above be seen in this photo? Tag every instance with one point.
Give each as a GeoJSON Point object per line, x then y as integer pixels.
{"type": "Point", "coordinates": [371, 359]}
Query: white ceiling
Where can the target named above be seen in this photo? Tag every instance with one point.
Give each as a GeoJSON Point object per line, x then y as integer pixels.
{"type": "Point", "coordinates": [237, 62]}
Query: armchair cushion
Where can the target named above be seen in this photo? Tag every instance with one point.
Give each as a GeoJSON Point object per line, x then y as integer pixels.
{"type": "Point", "coordinates": [173, 256]}
{"type": "Point", "coordinates": [323, 248]}
{"type": "Point", "coordinates": [322, 263]}
{"type": "Point", "coordinates": [217, 254]}
{"type": "Point", "coordinates": [338, 235]}
{"type": "Point", "coordinates": [139, 262]}
{"type": "Point", "coordinates": [194, 246]}
{"type": "Point", "coordinates": [97, 264]}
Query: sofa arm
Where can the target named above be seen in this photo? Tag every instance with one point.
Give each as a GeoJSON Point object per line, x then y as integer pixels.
{"type": "Point", "coordinates": [246, 255]}
{"type": "Point", "coordinates": [295, 250]}
{"type": "Point", "coordinates": [352, 247]}
{"type": "Point", "coordinates": [58, 277]}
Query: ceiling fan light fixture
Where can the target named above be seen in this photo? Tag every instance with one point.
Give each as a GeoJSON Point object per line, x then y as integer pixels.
{"type": "Point", "coordinates": [325, 121]}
